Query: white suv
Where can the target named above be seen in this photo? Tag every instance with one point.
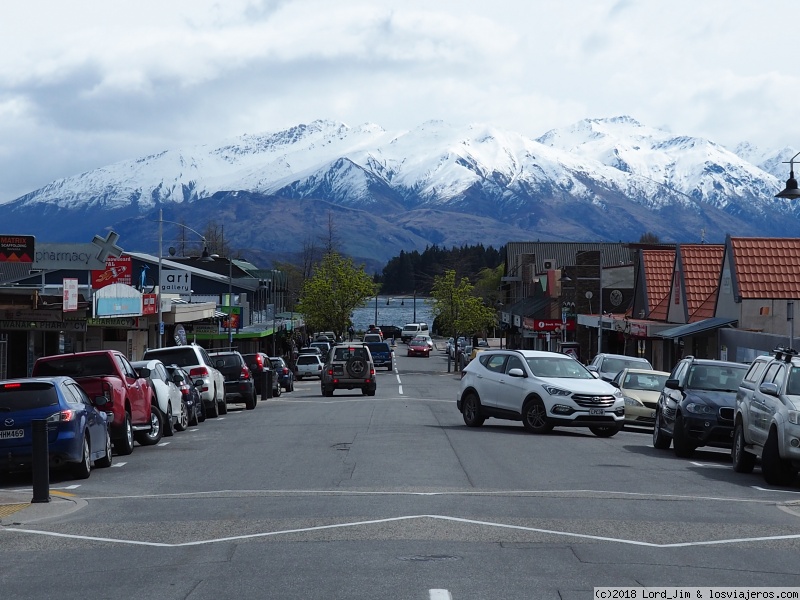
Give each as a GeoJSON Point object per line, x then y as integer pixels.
{"type": "Point", "coordinates": [767, 420]}
{"type": "Point", "coordinates": [541, 389]}
{"type": "Point", "coordinates": [195, 360]}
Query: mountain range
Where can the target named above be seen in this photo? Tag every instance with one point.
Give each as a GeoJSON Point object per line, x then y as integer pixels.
{"type": "Point", "coordinates": [374, 192]}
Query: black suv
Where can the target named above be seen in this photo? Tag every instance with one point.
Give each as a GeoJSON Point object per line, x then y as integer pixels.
{"type": "Point", "coordinates": [696, 406]}
{"type": "Point", "coordinates": [349, 366]}
{"type": "Point", "coordinates": [239, 384]}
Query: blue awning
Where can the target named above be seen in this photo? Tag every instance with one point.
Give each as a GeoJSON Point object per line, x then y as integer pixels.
{"type": "Point", "coordinates": [695, 328]}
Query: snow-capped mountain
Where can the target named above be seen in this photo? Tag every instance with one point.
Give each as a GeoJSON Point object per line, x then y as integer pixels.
{"type": "Point", "coordinates": [385, 191]}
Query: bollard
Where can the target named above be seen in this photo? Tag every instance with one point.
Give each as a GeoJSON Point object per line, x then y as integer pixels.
{"type": "Point", "coordinates": [41, 462]}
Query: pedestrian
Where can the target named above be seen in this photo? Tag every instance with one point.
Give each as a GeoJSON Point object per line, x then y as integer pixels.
{"type": "Point", "coordinates": [351, 331]}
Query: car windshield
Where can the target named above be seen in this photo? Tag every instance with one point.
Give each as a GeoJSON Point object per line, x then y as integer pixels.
{"type": "Point", "coordinates": [716, 377]}
{"type": "Point", "coordinates": [649, 382]}
{"type": "Point", "coordinates": [615, 365]}
{"type": "Point", "coordinates": [566, 367]}
{"type": "Point", "coordinates": [183, 357]}
{"type": "Point", "coordinates": [21, 396]}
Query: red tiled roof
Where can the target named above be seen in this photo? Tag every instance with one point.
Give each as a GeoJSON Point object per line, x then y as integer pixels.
{"type": "Point", "coordinates": [658, 267]}
{"type": "Point", "coordinates": [767, 268]}
{"type": "Point", "coordinates": [702, 264]}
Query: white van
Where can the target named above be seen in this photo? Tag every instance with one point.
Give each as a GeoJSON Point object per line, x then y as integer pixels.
{"type": "Point", "coordinates": [410, 330]}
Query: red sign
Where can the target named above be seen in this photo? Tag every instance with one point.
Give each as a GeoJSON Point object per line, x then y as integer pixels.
{"type": "Point", "coordinates": [547, 325]}
{"type": "Point", "coordinates": [149, 304]}
{"type": "Point", "coordinates": [118, 270]}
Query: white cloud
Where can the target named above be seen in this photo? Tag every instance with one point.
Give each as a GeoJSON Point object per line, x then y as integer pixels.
{"type": "Point", "coordinates": [84, 84]}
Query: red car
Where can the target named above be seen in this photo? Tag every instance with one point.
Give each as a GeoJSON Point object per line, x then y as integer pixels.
{"type": "Point", "coordinates": [419, 347]}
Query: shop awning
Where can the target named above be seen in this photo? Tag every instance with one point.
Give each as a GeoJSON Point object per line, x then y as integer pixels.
{"type": "Point", "coordinates": [695, 328]}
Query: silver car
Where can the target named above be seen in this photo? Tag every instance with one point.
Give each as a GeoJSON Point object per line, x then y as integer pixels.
{"type": "Point", "coordinates": [308, 365]}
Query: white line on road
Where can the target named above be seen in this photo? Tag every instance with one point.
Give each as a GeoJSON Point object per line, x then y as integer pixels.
{"type": "Point", "coordinates": [118, 464]}
{"type": "Point", "coordinates": [697, 464]}
{"type": "Point", "coordinates": [164, 444]}
{"type": "Point", "coordinates": [440, 595]}
{"type": "Point", "coordinates": [265, 534]}
{"type": "Point", "coordinates": [72, 487]}
{"type": "Point", "coordinates": [761, 489]}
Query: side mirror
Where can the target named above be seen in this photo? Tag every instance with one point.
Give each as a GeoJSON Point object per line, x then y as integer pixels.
{"type": "Point", "coordinates": [592, 368]}
{"type": "Point", "coordinates": [516, 372]}
{"type": "Point", "coordinates": [770, 389]}
{"type": "Point", "coordinates": [198, 383]}
{"type": "Point", "coordinates": [177, 379]}
{"type": "Point", "coordinates": [672, 384]}
{"type": "Point", "coordinates": [143, 372]}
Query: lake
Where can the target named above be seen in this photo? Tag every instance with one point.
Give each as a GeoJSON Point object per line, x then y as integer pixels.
{"type": "Point", "coordinates": [392, 310]}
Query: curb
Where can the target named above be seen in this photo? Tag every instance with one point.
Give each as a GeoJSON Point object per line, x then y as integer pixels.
{"type": "Point", "coordinates": [17, 509]}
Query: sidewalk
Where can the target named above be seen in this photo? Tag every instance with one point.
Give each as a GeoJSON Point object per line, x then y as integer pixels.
{"type": "Point", "coordinates": [16, 506]}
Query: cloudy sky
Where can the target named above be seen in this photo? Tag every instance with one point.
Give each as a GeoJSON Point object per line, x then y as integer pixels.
{"type": "Point", "coordinates": [84, 84]}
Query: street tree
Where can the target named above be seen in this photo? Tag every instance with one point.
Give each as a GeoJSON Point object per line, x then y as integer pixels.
{"type": "Point", "coordinates": [333, 291]}
{"type": "Point", "coordinates": [456, 307]}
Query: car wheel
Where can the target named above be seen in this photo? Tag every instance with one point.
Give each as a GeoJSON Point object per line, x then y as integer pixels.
{"type": "Point", "coordinates": [183, 420]}
{"type": "Point", "coordinates": [661, 440]}
{"type": "Point", "coordinates": [107, 458]}
{"type": "Point", "coordinates": [169, 431]}
{"type": "Point", "coordinates": [213, 410]}
{"type": "Point", "coordinates": [776, 471]}
{"type": "Point", "coordinates": [291, 386]}
{"type": "Point", "coordinates": [389, 368]}
{"type": "Point", "coordinates": [605, 431]}
{"type": "Point", "coordinates": [194, 420]}
{"type": "Point", "coordinates": [534, 417]}
{"type": "Point", "coordinates": [124, 445]}
{"type": "Point", "coordinates": [249, 402]}
{"type": "Point", "coordinates": [743, 461]}
{"type": "Point", "coordinates": [223, 408]}
{"type": "Point", "coordinates": [156, 432]}
{"type": "Point", "coordinates": [83, 469]}
{"type": "Point", "coordinates": [277, 391]}
{"type": "Point", "coordinates": [471, 410]}
{"type": "Point", "coordinates": [682, 446]}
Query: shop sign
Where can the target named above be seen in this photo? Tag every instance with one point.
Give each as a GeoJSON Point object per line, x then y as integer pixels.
{"type": "Point", "coordinates": [119, 269]}
{"type": "Point", "coordinates": [638, 330]}
{"type": "Point", "coordinates": [27, 314]}
{"type": "Point", "coordinates": [547, 325]}
{"type": "Point", "coordinates": [150, 304]}
{"type": "Point", "coordinates": [123, 323]}
{"type": "Point", "coordinates": [118, 300]}
{"type": "Point", "coordinates": [70, 299]}
{"type": "Point", "coordinates": [67, 326]}
{"type": "Point", "coordinates": [17, 248]}
{"type": "Point", "coordinates": [234, 318]}
{"type": "Point", "coordinates": [174, 281]}
{"type": "Point", "coordinates": [206, 328]}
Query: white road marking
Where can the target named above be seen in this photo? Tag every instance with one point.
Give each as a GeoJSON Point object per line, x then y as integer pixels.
{"type": "Point", "coordinates": [118, 464]}
{"type": "Point", "coordinates": [164, 444]}
{"type": "Point", "coordinates": [71, 487]}
{"type": "Point", "coordinates": [761, 489]}
{"type": "Point", "coordinates": [265, 534]}
{"type": "Point", "coordinates": [697, 464]}
{"type": "Point", "coordinates": [440, 595]}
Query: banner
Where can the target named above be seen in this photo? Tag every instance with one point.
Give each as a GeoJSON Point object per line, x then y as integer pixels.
{"type": "Point", "coordinates": [70, 299]}
{"type": "Point", "coordinates": [118, 270]}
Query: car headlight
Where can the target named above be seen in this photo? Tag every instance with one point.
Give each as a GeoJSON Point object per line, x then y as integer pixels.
{"type": "Point", "coordinates": [554, 391]}
{"type": "Point", "coordinates": [632, 401]}
{"type": "Point", "coordinates": [618, 394]}
{"type": "Point", "coordinates": [793, 416]}
{"type": "Point", "coordinates": [700, 409]}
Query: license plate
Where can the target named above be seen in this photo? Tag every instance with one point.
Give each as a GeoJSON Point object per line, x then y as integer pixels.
{"type": "Point", "coordinates": [12, 434]}
{"type": "Point", "coordinates": [596, 411]}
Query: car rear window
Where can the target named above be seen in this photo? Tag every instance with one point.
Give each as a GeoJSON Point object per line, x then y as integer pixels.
{"type": "Point", "coordinates": [183, 357]}
{"type": "Point", "coordinates": [308, 359]}
{"type": "Point", "coordinates": [347, 352]}
{"type": "Point", "coordinates": [227, 360]}
{"type": "Point", "coordinates": [22, 396]}
{"type": "Point", "coordinates": [378, 347]}
{"type": "Point", "coordinates": [76, 366]}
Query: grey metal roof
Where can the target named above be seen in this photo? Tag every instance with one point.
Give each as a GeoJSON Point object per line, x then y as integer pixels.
{"type": "Point", "coordinates": [563, 253]}
{"type": "Point", "coordinates": [695, 328]}
{"type": "Point", "coordinates": [246, 282]}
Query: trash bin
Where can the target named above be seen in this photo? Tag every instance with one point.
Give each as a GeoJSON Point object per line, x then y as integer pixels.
{"type": "Point", "coordinates": [266, 386]}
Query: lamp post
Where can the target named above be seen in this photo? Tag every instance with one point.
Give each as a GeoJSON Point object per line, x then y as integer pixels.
{"type": "Point", "coordinates": [230, 303]}
{"type": "Point", "coordinates": [376, 309]}
{"type": "Point", "coordinates": [205, 257]}
{"type": "Point", "coordinates": [790, 192]}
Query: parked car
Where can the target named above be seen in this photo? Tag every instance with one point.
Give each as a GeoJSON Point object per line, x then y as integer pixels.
{"type": "Point", "coordinates": [285, 374]}
{"type": "Point", "coordinates": [308, 365]}
{"type": "Point", "coordinates": [77, 426]}
{"type": "Point", "coordinates": [767, 418]}
{"type": "Point", "coordinates": [195, 359]}
{"type": "Point", "coordinates": [696, 406]}
{"type": "Point", "coordinates": [411, 330]}
{"type": "Point", "coordinates": [259, 364]}
{"type": "Point", "coordinates": [109, 373]}
{"type": "Point", "coordinates": [323, 346]}
{"type": "Point", "coordinates": [381, 354]}
{"type": "Point", "coordinates": [372, 337]}
{"type": "Point", "coordinates": [608, 365]}
{"type": "Point", "coordinates": [166, 396]}
{"type": "Point", "coordinates": [349, 366]}
{"type": "Point", "coordinates": [239, 384]}
{"type": "Point", "coordinates": [542, 389]}
{"type": "Point", "coordinates": [391, 332]}
{"type": "Point", "coordinates": [418, 346]}
{"type": "Point", "coordinates": [192, 402]}
{"type": "Point", "coordinates": [640, 389]}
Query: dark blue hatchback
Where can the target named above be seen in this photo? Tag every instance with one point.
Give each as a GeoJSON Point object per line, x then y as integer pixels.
{"type": "Point", "coordinates": [77, 427]}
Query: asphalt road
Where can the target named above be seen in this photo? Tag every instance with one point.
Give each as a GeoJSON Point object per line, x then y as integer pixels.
{"type": "Point", "coordinates": [393, 497]}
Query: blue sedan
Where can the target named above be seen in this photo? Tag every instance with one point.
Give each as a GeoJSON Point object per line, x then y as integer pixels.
{"type": "Point", "coordinates": [77, 426]}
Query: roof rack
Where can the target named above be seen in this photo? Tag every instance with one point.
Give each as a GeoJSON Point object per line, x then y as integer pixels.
{"type": "Point", "coordinates": [785, 354]}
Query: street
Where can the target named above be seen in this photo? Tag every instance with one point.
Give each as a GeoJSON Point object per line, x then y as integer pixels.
{"type": "Point", "coordinates": [392, 496]}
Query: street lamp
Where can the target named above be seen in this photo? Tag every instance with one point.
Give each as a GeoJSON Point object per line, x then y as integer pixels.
{"type": "Point", "coordinates": [205, 257]}
{"type": "Point", "coordinates": [790, 192]}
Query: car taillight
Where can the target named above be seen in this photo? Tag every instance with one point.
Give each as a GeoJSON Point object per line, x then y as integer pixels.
{"type": "Point", "coordinates": [185, 390]}
{"type": "Point", "coordinates": [245, 374]}
{"type": "Point", "coordinates": [199, 372]}
{"type": "Point", "coordinates": [61, 417]}
{"type": "Point", "coordinates": [285, 370]}
{"type": "Point", "coordinates": [259, 361]}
